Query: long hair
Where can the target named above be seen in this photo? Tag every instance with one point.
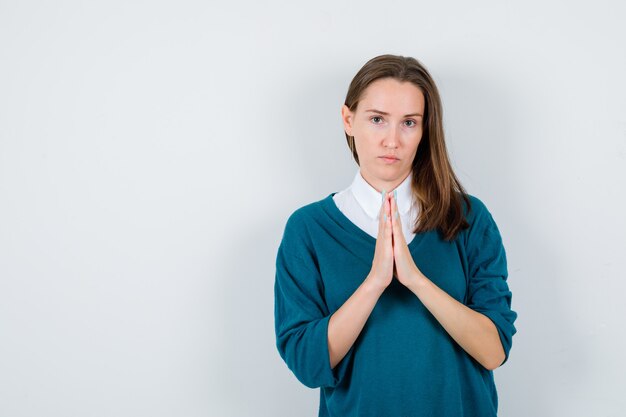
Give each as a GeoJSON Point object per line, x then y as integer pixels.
{"type": "Point", "coordinates": [435, 188]}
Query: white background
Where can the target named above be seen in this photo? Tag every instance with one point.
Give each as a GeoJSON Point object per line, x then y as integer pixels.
{"type": "Point", "coordinates": [151, 152]}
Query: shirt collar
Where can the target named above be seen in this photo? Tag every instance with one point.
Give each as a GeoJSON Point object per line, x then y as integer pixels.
{"type": "Point", "coordinates": [370, 199]}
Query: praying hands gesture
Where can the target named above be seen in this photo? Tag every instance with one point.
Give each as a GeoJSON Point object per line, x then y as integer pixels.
{"type": "Point", "coordinates": [473, 331]}
{"type": "Point", "coordinates": [392, 256]}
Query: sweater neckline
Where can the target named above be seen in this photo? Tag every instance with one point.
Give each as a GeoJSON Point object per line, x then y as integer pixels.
{"type": "Point", "coordinates": [331, 208]}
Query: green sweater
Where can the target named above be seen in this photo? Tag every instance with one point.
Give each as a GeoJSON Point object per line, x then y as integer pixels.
{"type": "Point", "coordinates": [404, 363]}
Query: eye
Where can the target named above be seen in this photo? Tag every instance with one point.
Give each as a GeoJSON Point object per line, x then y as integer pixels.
{"type": "Point", "coordinates": [412, 121]}
{"type": "Point", "coordinates": [376, 117]}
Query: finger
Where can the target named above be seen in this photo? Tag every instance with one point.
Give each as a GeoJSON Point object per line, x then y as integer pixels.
{"type": "Point", "coordinates": [396, 222]}
{"type": "Point", "coordinates": [387, 225]}
{"type": "Point", "coordinates": [395, 205]}
{"type": "Point", "coordinates": [388, 221]}
{"type": "Point", "coordinates": [381, 215]}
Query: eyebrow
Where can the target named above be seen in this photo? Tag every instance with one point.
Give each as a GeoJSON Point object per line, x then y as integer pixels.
{"type": "Point", "coordinates": [387, 114]}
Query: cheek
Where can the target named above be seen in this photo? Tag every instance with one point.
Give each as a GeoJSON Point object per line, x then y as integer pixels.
{"type": "Point", "coordinates": [417, 138]}
{"type": "Point", "coordinates": [415, 144]}
{"type": "Point", "coordinates": [413, 140]}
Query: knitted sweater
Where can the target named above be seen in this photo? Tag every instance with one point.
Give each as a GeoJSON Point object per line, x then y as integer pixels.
{"type": "Point", "coordinates": [403, 363]}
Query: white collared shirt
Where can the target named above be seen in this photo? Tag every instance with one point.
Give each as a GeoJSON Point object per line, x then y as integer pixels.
{"type": "Point", "coordinates": [360, 203]}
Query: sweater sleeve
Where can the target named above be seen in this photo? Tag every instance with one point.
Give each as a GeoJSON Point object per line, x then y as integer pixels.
{"type": "Point", "coordinates": [301, 319]}
{"type": "Point", "coordinates": [488, 292]}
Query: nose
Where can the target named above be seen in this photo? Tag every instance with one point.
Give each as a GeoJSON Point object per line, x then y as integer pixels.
{"type": "Point", "coordinates": [392, 138]}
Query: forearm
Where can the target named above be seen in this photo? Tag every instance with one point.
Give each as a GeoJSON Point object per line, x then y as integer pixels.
{"type": "Point", "coordinates": [473, 331]}
{"type": "Point", "coordinates": [346, 323]}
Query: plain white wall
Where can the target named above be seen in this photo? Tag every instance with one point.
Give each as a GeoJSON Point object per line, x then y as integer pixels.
{"type": "Point", "coordinates": [151, 152]}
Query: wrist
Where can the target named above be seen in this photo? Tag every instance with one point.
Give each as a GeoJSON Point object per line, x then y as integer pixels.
{"type": "Point", "coordinates": [418, 282]}
{"type": "Point", "coordinates": [373, 286]}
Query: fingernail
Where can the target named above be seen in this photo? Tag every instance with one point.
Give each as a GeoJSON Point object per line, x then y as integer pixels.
{"type": "Point", "coordinates": [385, 216]}
{"type": "Point", "coordinates": [383, 199]}
{"type": "Point", "coordinates": [395, 194]}
{"type": "Point", "coordinates": [395, 215]}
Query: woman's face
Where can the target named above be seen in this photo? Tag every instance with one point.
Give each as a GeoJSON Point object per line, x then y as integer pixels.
{"type": "Point", "coordinates": [388, 121]}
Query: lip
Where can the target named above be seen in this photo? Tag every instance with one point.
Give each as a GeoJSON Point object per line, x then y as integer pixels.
{"type": "Point", "coordinates": [389, 159]}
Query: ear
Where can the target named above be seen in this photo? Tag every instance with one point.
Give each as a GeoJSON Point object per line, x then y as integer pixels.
{"type": "Point", "coordinates": [347, 117]}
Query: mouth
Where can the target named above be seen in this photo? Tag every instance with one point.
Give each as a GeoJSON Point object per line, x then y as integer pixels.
{"type": "Point", "coordinates": [390, 159]}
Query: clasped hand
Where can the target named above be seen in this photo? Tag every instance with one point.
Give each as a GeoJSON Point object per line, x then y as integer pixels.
{"type": "Point", "coordinates": [392, 256]}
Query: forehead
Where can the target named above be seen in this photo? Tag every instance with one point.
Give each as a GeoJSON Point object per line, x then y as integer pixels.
{"type": "Point", "coordinates": [388, 94]}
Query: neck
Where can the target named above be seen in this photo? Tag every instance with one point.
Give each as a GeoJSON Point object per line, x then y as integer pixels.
{"type": "Point", "coordinates": [380, 184]}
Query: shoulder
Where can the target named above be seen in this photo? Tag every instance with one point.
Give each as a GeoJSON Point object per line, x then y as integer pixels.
{"type": "Point", "coordinates": [303, 223]}
{"type": "Point", "coordinates": [478, 217]}
{"type": "Point", "coordinates": [304, 215]}
{"type": "Point", "coordinates": [475, 209]}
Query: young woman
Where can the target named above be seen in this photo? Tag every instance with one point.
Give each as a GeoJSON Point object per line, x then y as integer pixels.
{"type": "Point", "coordinates": [391, 295]}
